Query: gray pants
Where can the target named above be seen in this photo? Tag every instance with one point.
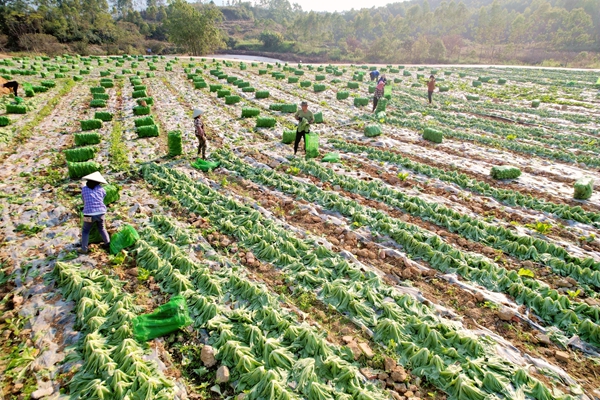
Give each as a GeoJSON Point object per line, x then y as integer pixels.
{"type": "Point", "coordinates": [88, 224]}
{"type": "Point", "coordinates": [202, 144]}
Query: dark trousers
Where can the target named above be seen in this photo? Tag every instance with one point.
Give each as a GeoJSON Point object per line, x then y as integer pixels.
{"type": "Point", "coordinates": [375, 101]}
{"type": "Point", "coordinates": [202, 144]}
{"type": "Point", "coordinates": [87, 227]}
{"type": "Point", "coordinates": [299, 136]}
{"type": "Point", "coordinates": [429, 95]}
{"type": "Point", "coordinates": [14, 85]}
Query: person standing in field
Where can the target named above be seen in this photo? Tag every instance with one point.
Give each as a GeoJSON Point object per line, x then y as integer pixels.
{"type": "Point", "coordinates": [378, 93]}
{"type": "Point", "coordinates": [93, 195]}
{"type": "Point", "coordinates": [430, 87]}
{"type": "Point", "coordinates": [305, 118]}
{"type": "Point", "coordinates": [200, 133]}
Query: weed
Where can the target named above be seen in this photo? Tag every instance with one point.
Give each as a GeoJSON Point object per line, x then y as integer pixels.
{"type": "Point", "coordinates": [573, 294]}
{"type": "Point", "coordinates": [511, 137]}
{"type": "Point", "coordinates": [29, 230]}
{"type": "Point", "coordinates": [490, 305]}
{"type": "Point", "coordinates": [143, 274]}
{"type": "Point", "coordinates": [293, 171]}
{"type": "Point", "coordinates": [305, 301]}
{"type": "Point", "coordinates": [540, 227]}
{"type": "Point", "coordinates": [403, 176]}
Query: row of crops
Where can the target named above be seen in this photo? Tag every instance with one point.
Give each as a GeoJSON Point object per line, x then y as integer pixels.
{"type": "Point", "coordinates": [255, 329]}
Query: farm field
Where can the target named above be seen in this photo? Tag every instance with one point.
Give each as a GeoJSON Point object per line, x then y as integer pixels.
{"type": "Point", "coordinates": [401, 259]}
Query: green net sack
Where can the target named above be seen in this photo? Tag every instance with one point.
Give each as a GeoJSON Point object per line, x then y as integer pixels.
{"type": "Point", "coordinates": [223, 93]}
{"type": "Point", "coordinates": [472, 97]}
{"type": "Point", "coordinates": [312, 145]}
{"type": "Point", "coordinates": [265, 122]}
{"type": "Point", "coordinates": [84, 139]}
{"type": "Point", "coordinates": [535, 103]}
{"type": "Point", "coordinates": [144, 121]}
{"type": "Point", "coordinates": [318, 117]}
{"type": "Point", "coordinates": [319, 88]}
{"type": "Point", "coordinates": [141, 110]}
{"type": "Point", "coordinates": [476, 83]}
{"type": "Point", "coordinates": [98, 103]}
{"type": "Point", "coordinates": [139, 87]}
{"type": "Point", "coordinates": [81, 169]}
{"type": "Point", "coordinates": [276, 106]}
{"type": "Point", "coordinates": [505, 172]}
{"type": "Point", "coordinates": [372, 130]}
{"type": "Point", "coordinates": [112, 194]}
{"type": "Point", "coordinates": [444, 89]}
{"type": "Point", "coordinates": [107, 84]}
{"type": "Point", "coordinates": [80, 153]}
{"type": "Point", "coordinates": [138, 94]}
{"type": "Point", "coordinates": [4, 121]}
{"type": "Point", "coordinates": [305, 84]}
{"type": "Point", "coordinates": [16, 109]}
{"type": "Point", "coordinates": [248, 89]}
{"type": "Point", "coordinates": [204, 165]}
{"type": "Point", "coordinates": [288, 137]}
{"type": "Point", "coordinates": [248, 112]}
{"type": "Point", "coordinates": [165, 319]}
{"type": "Point", "coordinates": [381, 105]}
{"type": "Point", "coordinates": [342, 95]}
{"type": "Point", "coordinates": [100, 96]}
{"type": "Point", "coordinates": [352, 85]}
{"type": "Point", "coordinates": [501, 81]}
{"type": "Point", "coordinates": [90, 124]}
{"type": "Point", "coordinates": [49, 84]}
{"type": "Point", "coordinates": [97, 89]}
{"type": "Point", "coordinates": [361, 101]}
{"type": "Point", "coordinates": [261, 94]}
{"type": "Point", "coordinates": [583, 188]}
{"type": "Point", "coordinates": [126, 237]}
{"type": "Point", "coordinates": [147, 131]}
{"type": "Point", "coordinates": [174, 142]}
{"type": "Point", "coordinates": [214, 88]}
{"type": "Point", "coordinates": [103, 116]}
{"type": "Point", "coordinates": [232, 99]}
{"type": "Point", "coordinates": [289, 108]}
{"type": "Point", "coordinates": [149, 101]}
{"type": "Point", "coordinates": [331, 157]}
{"type": "Point", "coordinates": [433, 135]}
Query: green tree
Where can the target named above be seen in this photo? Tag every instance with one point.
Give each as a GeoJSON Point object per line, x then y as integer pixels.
{"type": "Point", "coordinates": [194, 30]}
{"type": "Point", "coordinates": [271, 40]}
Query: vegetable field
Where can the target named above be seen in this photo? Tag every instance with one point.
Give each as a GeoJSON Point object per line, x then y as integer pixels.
{"type": "Point", "coordinates": [445, 251]}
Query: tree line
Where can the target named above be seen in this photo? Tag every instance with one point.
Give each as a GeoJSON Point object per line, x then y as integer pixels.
{"type": "Point", "coordinates": [412, 31]}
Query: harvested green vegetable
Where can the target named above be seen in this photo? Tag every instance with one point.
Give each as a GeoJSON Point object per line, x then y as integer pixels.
{"type": "Point", "coordinates": [147, 131]}
{"type": "Point", "coordinates": [80, 153]}
{"type": "Point", "coordinates": [90, 124]}
{"type": "Point", "coordinates": [288, 136]}
{"type": "Point", "coordinates": [126, 237]}
{"type": "Point", "coordinates": [174, 142]}
{"type": "Point", "coordinates": [265, 122]}
{"type": "Point", "coordinates": [583, 188]}
{"type": "Point", "coordinates": [372, 130]}
{"type": "Point", "coordinates": [84, 139]}
{"type": "Point", "coordinates": [433, 135]}
{"type": "Point", "coordinates": [144, 121]}
{"type": "Point", "coordinates": [312, 145]}
{"type": "Point", "coordinates": [166, 319]}
{"type": "Point", "coordinates": [250, 112]}
{"type": "Point", "coordinates": [81, 169]}
{"type": "Point", "coordinates": [505, 172]}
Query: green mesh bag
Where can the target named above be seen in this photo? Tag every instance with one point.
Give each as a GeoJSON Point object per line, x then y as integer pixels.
{"type": "Point", "coordinates": [342, 95]}
{"type": "Point", "coordinates": [312, 145]}
{"type": "Point", "coordinates": [472, 97]}
{"type": "Point", "coordinates": [248, 89]}
{"type": "Point", "coordinates": [126, 237]}
{"type": "Point", "coordinates": [100, 96]}
{"type": "Point", "coordinates": [276, 106]}
{"type": "Point", "coordinates": [318, 117]}
{"type": "Point", "coordinates": [381, 105]}
{"type": "Point", "coordinates": [16, 109]}
{"type": "Point", "coordinates": [372, 130]}
{"type": "Point", "coordinates": [248, 112]}
{"type": "Point", "coordinates": [433, 135]}
{"type": "Point", "coordinates": [174, 142]}
{"type": "Point", "coordinates": [165, 319]}
{"type": "Point", "coordinates": [138, 94]}
{"type": "Point", "coordinates": [505, 172]}
{"type": "Point", "coordinates": [331, 157]}
{"type": "Point", "coordinates": [352, 85]}
{"type": "Point", "coordinates": [535, 103]}
{"type": "Point", "coordinates": [261, 94]}
{"type": "Point", "coordinates": [223, 93]}
{"type": "Point", "coordinates": [112, 194]}
{"type": "Point", "coordinates": [289, 108]}
{"type": "Point", "coordinates": [204, 165]}
{"type": "Point", "coordinates": [265, 122]}
{"type": "Point", "coordinates": [98, 103]}
{"type": "Point", "coordinates": [141, 110]}
{"type": "Point", "coordinates": [97, 89]}
{"type": "Point", "coordinates": [103, 116]}
{"type": "Point", "coordinates": [84, 139]}
{"type": "Point", "coordinates": [583, 188]}
{"type": "Point", "coordinates": [139, 87]}
{"type": "Point", "coordinates": [149, 101]}
{"type": "Point", "coordinates": [80, 153]}
{"type": "Point", "coordinates": [81, 169]}
{"type": "Point", "coordinates": [319, 88]}
{"type": "Point", "coordinates": [144, 121]}
{"type": "Point", "coordinates": [90, 124]}
{"type": "Point", "coordinates": [4, 121]}
{"type": "Point", "coordinates": [232, 99]}
{"type": "Point", "coordinates": [147, 131]}
{"type": "Point", "coordinates": [288, 137]}
{"type": "Point", "coordinates": [361, 101]}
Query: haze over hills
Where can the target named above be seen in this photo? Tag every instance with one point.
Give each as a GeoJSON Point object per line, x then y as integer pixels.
{"type": "Point", "coordinates": [554, 32]}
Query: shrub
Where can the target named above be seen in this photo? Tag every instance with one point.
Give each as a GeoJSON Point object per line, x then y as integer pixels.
{"type": "Point", "coordinates": [214, 88]}
{"type": "Point", "coordinates": [48, 83]}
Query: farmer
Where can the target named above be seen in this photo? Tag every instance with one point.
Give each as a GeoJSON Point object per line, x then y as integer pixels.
{"type": "Point", "coordinates": [430, 87]}
{"type": "Point", "coordinates": [93, 209]}
{"type": "Point", "coordinates": [378, 93]}
{"type": "Point", "coordinates": [200, 133]}
{"type": "Point", "coordinates": [382, 78]}
{"type": "Point", "coordinates": [373, 74]}
{"type": "Point", "coordinates": [305, 118]}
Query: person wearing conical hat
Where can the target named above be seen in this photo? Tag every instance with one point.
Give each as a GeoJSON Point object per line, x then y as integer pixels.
{"type": "Point", "coordinates": [200, 132]}
{"type": "Point", "coordinates": [93, 209]}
